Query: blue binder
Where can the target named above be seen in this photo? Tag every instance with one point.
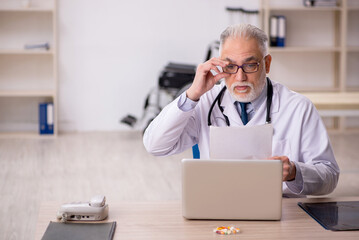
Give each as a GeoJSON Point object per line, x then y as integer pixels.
{"type": "Point", "coordinates": [273, 32]}
{"type": "Point", "coordinates": [277, 30]}
{"type": "Point", "coordinates": [46, 118]}
{"type": "Point", "coordinates": [281, 31]}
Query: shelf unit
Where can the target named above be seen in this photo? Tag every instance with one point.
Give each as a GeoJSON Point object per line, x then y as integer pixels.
{"type": "Point", "coordinates": [321, 56]}
{"type": "Point", "coordinates": [27, 76]}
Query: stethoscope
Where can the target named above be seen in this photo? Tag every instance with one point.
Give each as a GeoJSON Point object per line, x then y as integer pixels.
{"type": "Point", "coordinates": [220, 95]}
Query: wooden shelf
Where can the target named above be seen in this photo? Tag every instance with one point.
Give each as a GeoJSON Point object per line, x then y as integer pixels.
{"type": "Point", "coordinates": [26, 51]}
{"type": "Point", "coordinates": [303, 49]}
{"type": "Point", "coordinates": [302, 8]}
{"type": "Point", "coordinates": [315, 89]}
{"type": "Point", "coordinates": [334, 100]}
{"type": "Point", "coordinates": [27, 93]}
{"type": "Point", "coordinates": [353, 49]}
{"type": "Point", "coordinates": [29, 9]}
{"type": "Point", "coordinates": [28, 76]}
{"type": "Point", "coordinates": [352, 89]}
{"type": "Point", "coordinates": [353, 8]}
{"type": "Point", "coordinates": [329, 26]}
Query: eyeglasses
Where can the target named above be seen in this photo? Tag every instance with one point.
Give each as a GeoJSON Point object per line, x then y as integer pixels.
{"type": "Point", "coordinates": [246, 67]}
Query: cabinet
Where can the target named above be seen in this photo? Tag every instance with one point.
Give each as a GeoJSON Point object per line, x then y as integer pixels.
{"type": "Point", "coordinates": [321, 56]}
{"type": "Point", "coordinates": [27, 76]}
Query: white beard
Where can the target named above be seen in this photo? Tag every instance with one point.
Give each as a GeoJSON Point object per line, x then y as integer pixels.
{"type": "Point", "coordinates": [250, 96]}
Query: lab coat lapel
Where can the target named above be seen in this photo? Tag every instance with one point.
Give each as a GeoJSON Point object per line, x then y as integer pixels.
{"type": "Point", "coordinates": [229, 109]}
{"type": "Point", "coordinates": [275, 101]}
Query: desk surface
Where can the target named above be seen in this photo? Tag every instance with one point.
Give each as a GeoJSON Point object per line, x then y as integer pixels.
{"type": "Point", "coordinates": [163, 220]}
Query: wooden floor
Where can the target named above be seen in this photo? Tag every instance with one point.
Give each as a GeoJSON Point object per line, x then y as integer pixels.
{"type": "Point", "coordinates": [75, 166]}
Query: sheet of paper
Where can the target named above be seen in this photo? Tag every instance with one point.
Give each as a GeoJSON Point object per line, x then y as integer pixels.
{"type": "Point", "coordinates": [247, 142]}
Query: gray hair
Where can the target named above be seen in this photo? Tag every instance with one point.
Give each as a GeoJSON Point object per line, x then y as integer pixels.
{"type": "Point", "coordinates": [247, 31]}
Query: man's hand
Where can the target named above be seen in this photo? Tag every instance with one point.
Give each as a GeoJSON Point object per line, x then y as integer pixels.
{"type": "Point", "coordinates": [289, 169]}
{"type": "Point", "coordinates": [204, 79]}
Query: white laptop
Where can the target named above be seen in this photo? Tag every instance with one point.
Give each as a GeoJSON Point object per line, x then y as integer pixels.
{"type": "Point", "coordinates": [232, 189]}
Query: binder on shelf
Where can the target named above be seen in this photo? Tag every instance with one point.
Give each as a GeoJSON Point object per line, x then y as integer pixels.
{"type": "Point", "coordinates": [46, 118]}
{"type": "Point", "coordinates": [277, 30]}
{"type": "Point", "coordinates": [281, 31]}
{"type": "Point", "coordinates": [273, 33]}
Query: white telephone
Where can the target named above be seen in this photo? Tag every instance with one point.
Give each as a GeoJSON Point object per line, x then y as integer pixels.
{"type": "Point", "coordinates": [95, 210]}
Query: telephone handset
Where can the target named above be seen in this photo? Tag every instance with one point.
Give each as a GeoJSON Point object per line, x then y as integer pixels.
{"type": "Point", "coordinates": [95, 210]}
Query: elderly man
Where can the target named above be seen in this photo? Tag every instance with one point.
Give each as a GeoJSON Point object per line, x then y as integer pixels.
{"type": "Point", "coordinates": [300, 139]}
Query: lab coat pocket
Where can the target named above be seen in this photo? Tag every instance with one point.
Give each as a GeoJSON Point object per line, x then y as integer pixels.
{"type": "Point", "coordinates": [281, 148]}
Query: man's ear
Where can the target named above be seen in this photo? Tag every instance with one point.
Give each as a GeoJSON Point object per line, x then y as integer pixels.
{"type": "Point", "coordinates": [268, 60]}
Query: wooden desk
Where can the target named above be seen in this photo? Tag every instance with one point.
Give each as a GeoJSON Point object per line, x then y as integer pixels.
{"type": "Point", "coordinates": [163, 220]}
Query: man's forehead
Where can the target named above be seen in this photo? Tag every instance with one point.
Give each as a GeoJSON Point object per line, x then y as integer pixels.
{"type": "Point", "coordinates": [240, 49]}
{"type": "Point", "coordinates": [245, 59]}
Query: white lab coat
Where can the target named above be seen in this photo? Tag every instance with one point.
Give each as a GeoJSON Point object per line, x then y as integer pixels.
{"type": "Point", "coordinates": [299, 134]}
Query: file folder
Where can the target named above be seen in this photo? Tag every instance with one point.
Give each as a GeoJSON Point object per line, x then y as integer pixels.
{"type": "Point", "coordinates": [281, 31]}
{"type": "Point", "coordinates": [46, 118]}
{"type": "Point", "coordinates": [273, 35]}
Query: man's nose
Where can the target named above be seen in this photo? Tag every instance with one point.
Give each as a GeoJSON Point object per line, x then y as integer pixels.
{"type": "Point", "coordinates": [241, 75]}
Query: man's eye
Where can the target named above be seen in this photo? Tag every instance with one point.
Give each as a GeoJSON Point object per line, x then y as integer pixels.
{"type": "Point", "coordinates": [230, 67]}
{"type": "Point", "coordinates": [251, 65]}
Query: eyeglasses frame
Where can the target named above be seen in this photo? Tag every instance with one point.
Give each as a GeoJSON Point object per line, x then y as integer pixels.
{"type": "Point", "coordinates": [244, 64]}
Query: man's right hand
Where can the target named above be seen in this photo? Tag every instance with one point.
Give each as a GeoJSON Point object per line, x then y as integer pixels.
{"type": "Point", "coordinates": [204, 79]}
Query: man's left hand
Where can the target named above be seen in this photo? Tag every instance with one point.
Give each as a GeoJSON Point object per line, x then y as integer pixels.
{"type": "Point", "coordinates": [289, 169]}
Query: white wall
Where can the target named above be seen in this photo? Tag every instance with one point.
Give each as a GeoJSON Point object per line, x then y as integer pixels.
{"type": "Point", "coordinates": [112, 51]}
